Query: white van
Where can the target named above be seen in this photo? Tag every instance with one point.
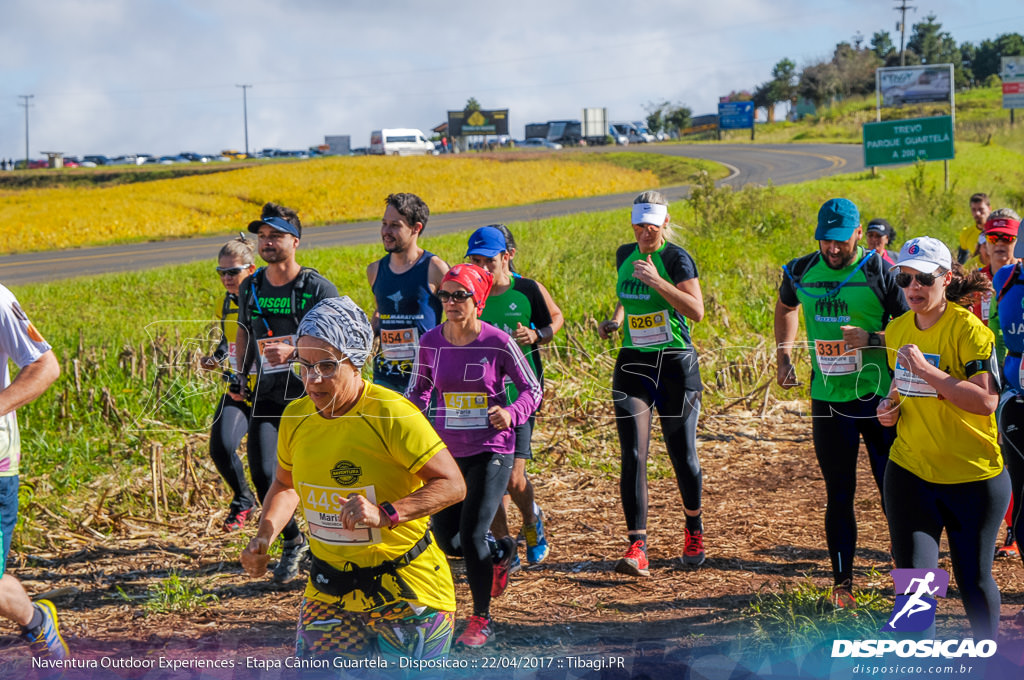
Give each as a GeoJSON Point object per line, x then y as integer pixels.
{"type": "Point", "coordinates": [400, 142]}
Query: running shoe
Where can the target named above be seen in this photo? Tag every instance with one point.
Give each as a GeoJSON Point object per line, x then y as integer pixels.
{"type": "Point", "coordinates": [478, 632]}
{"type": "Point", "coordinates": [236, 518]}
{"type": "Point", "coordinates": [504, 566]}
{"type": "Point", "coordinates": [1009, 547]}
{"type": "Point", "coordinates": [536, 543]}
{"type": "Point", "coordinates": [45, 641]}
{"type": "Point", "coordinates": [693, 548]}
{"type": "Point", "coordinates": [842, 597]}
{"type": "Point", "coordinates": [634, 562]}
{"type": "Point", "coordinates": [291, 557]}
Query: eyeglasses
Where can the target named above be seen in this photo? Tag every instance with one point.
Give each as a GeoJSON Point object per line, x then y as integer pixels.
{"type": "Point", "coordinates": [326, 368]}
{"type": "Point", "coordinates": [230, 271]}
{"type": "Point", "coordinates": [903, 280]}
{"type": "Point", "coordinates": [457, 297]}
{"type": "Point", "coordinates": [1000, 238]}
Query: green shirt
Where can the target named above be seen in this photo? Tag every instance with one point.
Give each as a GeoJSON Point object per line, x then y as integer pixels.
{"type": "Point", "coordinates": [523, 304]}
{"type": "Point", "coordinates": [862, 294]}
{"type": "Point", "coordinates": [651, 323]}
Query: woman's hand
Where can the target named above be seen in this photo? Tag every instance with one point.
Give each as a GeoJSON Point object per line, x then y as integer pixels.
{"type": "Point", "coordinates": [646, 271]}
{"type": "Point", "coordinates": [607, 327]}
{"type": "Point", "coordinates": [359, 511]}
{"type": "Point", "coordinates": [888, 411]}
{"type": "Point", "coordinates": [499, 417]}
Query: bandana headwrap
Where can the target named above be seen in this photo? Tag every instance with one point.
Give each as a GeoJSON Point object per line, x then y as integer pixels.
{"type": "Point", "coordinates": [341, 324]}
{"type": "Point", "coordinates": [476, 280]}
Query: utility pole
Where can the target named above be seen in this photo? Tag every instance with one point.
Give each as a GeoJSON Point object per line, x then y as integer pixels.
{"type": "Point", "coordinates": [245, 116]}
{"type": "Point", "coordinates": [25, 104]}
{"type": "Point", "coordinates": [902, 8]}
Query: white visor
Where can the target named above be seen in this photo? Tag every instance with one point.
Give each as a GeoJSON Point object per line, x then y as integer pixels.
{"type": "Point", "coordinates": [649, 213]}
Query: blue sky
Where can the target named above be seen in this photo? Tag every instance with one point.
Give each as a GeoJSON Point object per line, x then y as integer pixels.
{"type": "Point", "coordinates": [160, 76]}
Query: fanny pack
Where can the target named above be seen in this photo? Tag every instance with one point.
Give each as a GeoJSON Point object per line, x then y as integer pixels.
{"type": "Point", "coordinates": [330, 580]}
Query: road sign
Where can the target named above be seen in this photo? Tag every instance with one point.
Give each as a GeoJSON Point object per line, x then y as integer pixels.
{"type": "Point", "coordinates": [736, 115]}
{"type": "Point", "coordinates": [1013, 82]}
{"type": "Point", "coordinates": [906, 141]}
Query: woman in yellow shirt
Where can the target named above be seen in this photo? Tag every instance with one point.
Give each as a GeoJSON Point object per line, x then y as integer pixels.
{"type": "Point", "coordinates": [945, 469]}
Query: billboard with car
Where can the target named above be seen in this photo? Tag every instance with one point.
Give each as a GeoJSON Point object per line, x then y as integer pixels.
{"type": "Point", "coordinates": [899, 85]}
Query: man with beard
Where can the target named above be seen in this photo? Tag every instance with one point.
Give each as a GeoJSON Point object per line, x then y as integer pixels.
{"type": "Point", "coordinates": [403, 282]}
{"type": "Point", "coordinates": [271, 303]}
{"type": "Point", "coordinates": [969, 243]}
{"type": "Point", "coordinates": [848, 296]}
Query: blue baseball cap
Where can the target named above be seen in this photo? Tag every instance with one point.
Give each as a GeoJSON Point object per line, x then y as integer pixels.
{"type": "Point", "coordinates": [486, 241]}
{"type": "Point", "coordinates": [837, 220]}
{"type": "Point", "coordinates": [278, 223]}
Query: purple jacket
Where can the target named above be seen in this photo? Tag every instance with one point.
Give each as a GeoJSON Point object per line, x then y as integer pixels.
{"type": "Point", "coordinates": [468, 380]}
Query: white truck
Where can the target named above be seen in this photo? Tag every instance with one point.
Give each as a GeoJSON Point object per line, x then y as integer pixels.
{"type": "Point", "coordinates": [400, 142]}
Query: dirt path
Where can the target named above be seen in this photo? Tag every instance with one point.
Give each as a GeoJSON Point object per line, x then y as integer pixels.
{"type": "Point", "coordinates": [764, 506]}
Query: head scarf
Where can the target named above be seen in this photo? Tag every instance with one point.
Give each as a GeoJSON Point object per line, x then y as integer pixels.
{"type": "Point", "coordinates": [476, 280]}
{"type": "Point", "coordinates": [341, 324]}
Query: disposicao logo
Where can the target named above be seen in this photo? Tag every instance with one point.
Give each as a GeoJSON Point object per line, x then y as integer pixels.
{"type": "Point", "coordinates": [913, 612]}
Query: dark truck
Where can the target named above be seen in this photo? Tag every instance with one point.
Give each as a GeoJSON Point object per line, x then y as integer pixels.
{"type": "Point", "coordinates": [565, 132]}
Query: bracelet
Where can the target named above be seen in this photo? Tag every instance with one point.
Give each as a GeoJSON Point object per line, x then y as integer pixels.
{"type": "Point", "coordinates": [390, 512]}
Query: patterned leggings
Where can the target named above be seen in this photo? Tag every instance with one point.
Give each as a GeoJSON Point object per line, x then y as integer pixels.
{"type": "Point", "coordinates": [393, 630]}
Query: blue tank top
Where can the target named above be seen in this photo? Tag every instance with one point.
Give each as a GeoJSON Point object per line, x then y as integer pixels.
{"type": "Point", "coordinates": [1011, 322]}
{"type": "Point", "coordinates": [407, 310]}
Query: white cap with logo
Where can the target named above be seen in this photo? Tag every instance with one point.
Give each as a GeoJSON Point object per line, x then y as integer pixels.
{"type": "Point", "coordinates": [925, 254]}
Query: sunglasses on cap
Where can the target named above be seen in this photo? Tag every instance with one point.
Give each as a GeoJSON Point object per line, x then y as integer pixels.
{"type": "Point", "coordinates": [230, 271]}
{"type": "Point", "coordinates": [903, 279]}
{"type": "Point", "coordinates": [1000, 238]}
{"type": "Point", "coordinates": [457, 297]}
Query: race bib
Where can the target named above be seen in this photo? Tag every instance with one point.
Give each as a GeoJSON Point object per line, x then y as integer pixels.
{"type": "Point", "coordinates": [986, 304]}
{"type": "Point", "coordinates": [233, 359]}
{"type": "Point", "coordinates": [836, 357]}
{"type": "Point", "coordinates": [649, 329]}
{"type": "Point", "coordinates": [910, 385]}
{"type": "Point", "coordinates": [399, 344]}
{"type": "Point", "coordinates": [465, 411]}
{"type": "Point", "coordinates": [322, 505]}
{"type": "Point", "coordinates": [261, 345]}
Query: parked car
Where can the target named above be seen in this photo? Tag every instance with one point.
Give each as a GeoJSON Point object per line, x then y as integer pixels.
{"type": "Point", "coordinates": [538, 143]}
{"type": "Point", "coordinates": [620, 139]}
{"type": "Point", "coordinates": [97, 159]}
{"type": "Point", "coordinates": [195, 157]}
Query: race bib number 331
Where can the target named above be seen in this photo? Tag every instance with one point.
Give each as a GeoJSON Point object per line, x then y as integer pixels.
{"type": "Point", "coordinates": [836, 357]}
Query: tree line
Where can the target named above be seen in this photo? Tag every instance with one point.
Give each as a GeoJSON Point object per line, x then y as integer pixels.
{"type": "Point", "coordinates": [851, 71]}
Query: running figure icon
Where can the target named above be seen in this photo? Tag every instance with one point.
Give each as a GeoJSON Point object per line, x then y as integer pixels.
{"type": "Point", "coordinates": [916, 603]}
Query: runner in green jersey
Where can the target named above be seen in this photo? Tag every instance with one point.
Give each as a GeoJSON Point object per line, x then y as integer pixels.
{"type": "Point", "coordinates": [659, 297]}
{"type": "Point", "coordinates": [524, 309]}
{"type": "Point", "coordinates": [848, 296]}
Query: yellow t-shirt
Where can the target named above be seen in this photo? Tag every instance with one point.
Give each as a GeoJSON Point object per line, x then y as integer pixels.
{"type": "Point", "coordinates": [969, 238]}
{"type": "Point", "coordinates": [935, 440]}
{"type": "Point", "coordinates": [375, 450]}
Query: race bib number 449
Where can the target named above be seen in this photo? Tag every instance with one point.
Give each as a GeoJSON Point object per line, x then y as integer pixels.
{"type": "Point", "coordinates": [322, 505]}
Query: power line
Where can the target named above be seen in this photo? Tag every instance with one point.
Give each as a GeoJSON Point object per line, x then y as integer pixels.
{"type": "Point", "coordinates": [25, 103]}
{"type": "Point", "coordinates": [245, 115]}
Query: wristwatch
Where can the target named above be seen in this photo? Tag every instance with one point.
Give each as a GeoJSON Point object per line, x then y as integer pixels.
{"type": "Point", "coordinates": [874, 340]}
{"type": "Point", "coordinates": [391, 513]}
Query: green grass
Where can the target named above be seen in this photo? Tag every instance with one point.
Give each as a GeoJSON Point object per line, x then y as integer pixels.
{"type": "Point", "coordinates": [176, 593]}
{"type": "Point", "coordinates": [795, 619]}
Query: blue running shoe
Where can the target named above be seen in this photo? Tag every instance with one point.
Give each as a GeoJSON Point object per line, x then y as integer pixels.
{"type": "Point", "coordinates": [536, 544]}
{"type": "Point", "coordinates": [45, 640]}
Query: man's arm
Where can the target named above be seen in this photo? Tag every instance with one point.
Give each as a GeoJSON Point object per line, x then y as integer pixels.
{"type": "Point", "coordinates": [31, 381]}
{"type": "Point", "coordinates": [787, 323]}
{"type": "Point", "coordinates": [371, 278]}
{"type": "Point", "coordinates": [438, 268]}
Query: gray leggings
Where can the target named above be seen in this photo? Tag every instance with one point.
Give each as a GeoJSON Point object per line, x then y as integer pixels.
{"type": "Point", "coordinates": [971, 513]}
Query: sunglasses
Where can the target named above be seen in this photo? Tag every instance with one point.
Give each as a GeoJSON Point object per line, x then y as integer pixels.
{"type": "Point", "coordinates": [458, 296]}
{"type": "Point", "coordinates": [1000, 238]}
{"type": "Point", "coordinates": [230, 271]}
{"type": "Point", "coordinates": [903, 280]}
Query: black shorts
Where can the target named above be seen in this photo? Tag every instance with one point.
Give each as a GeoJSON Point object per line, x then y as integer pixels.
{"type": "Point", "coordinates": [524, 433]}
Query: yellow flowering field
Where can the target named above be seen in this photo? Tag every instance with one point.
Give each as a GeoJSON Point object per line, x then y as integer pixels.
{"type": "Point", "coordinates": [323, 191]}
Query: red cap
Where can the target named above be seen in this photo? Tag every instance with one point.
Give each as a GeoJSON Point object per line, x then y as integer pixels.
{"type": "Point", "coordinates": [1002, 225]}
{"type": "Point", "coordinates": [476, 280]}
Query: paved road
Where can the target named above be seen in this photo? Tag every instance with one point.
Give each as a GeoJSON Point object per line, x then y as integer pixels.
{"type": "Point", "coordinates": [758, 164]}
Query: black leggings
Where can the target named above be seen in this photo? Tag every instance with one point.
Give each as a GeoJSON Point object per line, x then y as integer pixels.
{"type": "Point", "coordinates": [837, 427]}
{"type": "Point", "coordinates": [262, 449]}
{"type": "Point", "coordinates": [1011, 417]}
{"type": "Point", "coordinates": [460, 529]}
{"type": "Point", "coordinates": [971, 513]}
{"type": "Point", "coordinates": [230, 423]}
{"type": "Point", "coordinates": [646, 380]}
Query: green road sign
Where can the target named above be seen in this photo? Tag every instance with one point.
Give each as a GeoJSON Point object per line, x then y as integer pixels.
{"type": "Point", "coordinates": [906, 141]}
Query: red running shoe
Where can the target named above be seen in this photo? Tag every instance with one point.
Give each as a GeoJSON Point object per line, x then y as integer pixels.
{"type": "Point", "coordinates": [693, 548]}
{"type": "Point", "coordinates": [236, 519]}
{"type": "Point", "coordinates": [478, 632]}
{"type": "Point", "coordinates": [634, 562]}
